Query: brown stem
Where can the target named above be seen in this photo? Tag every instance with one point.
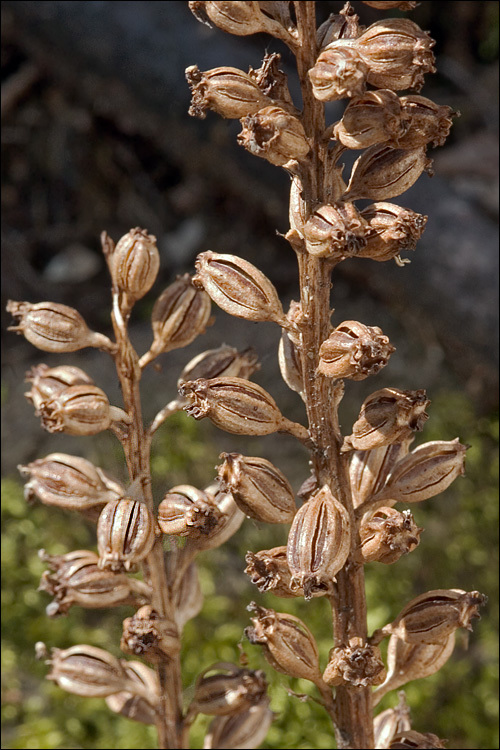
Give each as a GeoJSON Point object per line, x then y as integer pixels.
{"type": "Point", "coordinates": [353, 710]}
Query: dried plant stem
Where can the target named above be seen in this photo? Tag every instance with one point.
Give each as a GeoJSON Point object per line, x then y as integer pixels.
{"type": "Point", "coordinates": [353, 710]}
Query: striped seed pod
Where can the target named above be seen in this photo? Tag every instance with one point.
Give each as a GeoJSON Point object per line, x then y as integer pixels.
{"type": "Point", "coordinates": [359, 664]}
{"type": "Point", "coordinates": [274, 135]}
{"type": "Point", "coordinates": [225, 361]}
{"type": "Point", "coordinates": [354, 351]}
{"type": "Point", "coordinates": [228, 91]}
{"type": "Point", "coordinates": [125, 534]}
{"type": "Point", "coordinates": [392, 721]}
{"type": "Point", "coordinates": [134, 263]}
{"type": "Point", "coordinates": [148, 635]}
{"type": "Point", "coordinates": [229, 691]}
{"type": "Point", "coordinates": [187, 511]}
{"type": "Point", "coordinates": [412, 740]}
{"type": "Point", "coordinates": [140, 707]}
{"type": "Point", "coordinates": [319, 542]}
{"type": "Point", "coordinates": [426, 122]}
{"type": "Point", "coordinates": [47, 382]}
{"type": "Point", "coordinates": [230, 521]}
{"type": "Point", "coordinates": [259, 489]}
{"type": "Point", "coordinates": [290, 363]}
{"type": "Point", "coordinates": [395, 229]}
{"type": "Point", "coordinates": [336, 231]}
{"type": "Point", "coordinates": [386, 535]}
{"type": "Point", "coordinates": [368, 470]}
{"type": "Point", "coordinates": [374, 117]}
{"type": "Point", "coordinates": [269, 570]}
{"type": "Point", "coordinates": [87, 671]}
{"type": "Point", "coordinates": [244, 730]}
{"type": "Point", "coordinates": [339, 72]}
{"type": "Point", "coordinates": [383, 172]}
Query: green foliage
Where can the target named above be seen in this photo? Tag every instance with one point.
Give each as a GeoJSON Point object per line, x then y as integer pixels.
{"type": "Point", "coordinates": [458, 550]}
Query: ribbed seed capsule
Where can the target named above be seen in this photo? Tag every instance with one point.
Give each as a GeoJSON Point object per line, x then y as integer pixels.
{"type": "Point", "coordinates": [389, 723]}
{"type": "Point", "coordinates": [275, 135]}
{"type": "Point", "coordinates": [180, 314]}
{"type": "Point", "coordinates": [125, 534]}
{"type": "Point", "coordinates": [134, 263]}
{"type": "Point", "coordinates": [412, 740]}
{"type": "Point", "coordinates": [242, 18]}
{"type": "Point", "coordinates": [244, 730]}
{"type": "Point", "coordinates": [368, 470]}
{"type": "Point", "coordinates": [426, 122]}
{"type": "Point", "coordinates": [259, 489]}
{"type": "Point", "coordinates": [395, 229]}
{"type": "Point", "coordinates": [225, 361]}
{"type": "Point", "coordinates": [372, 118]}
{"type": "Point", "coordinates": [382, 172]}
{"type": "Point", "coordinates": [187, 511]}
{"type": "Point", "coordinates": [359, 664]}
{"type": "Point", "coordinates": [80, 410]}
{"type": "Point", "coordinates": [238, 406]}
{"type": "Point", "coordinates": [318, 542]}
{"type": "Point", "coordinates": [68, 482]}
{"type": "Point", "coordinates": [87, 671]}
{"type": "Point", "coordinates": [354, 351]}
{"type": "Point", "coordinates": [228, 91]}
{"type": "Point", "coordinates": [387, 534]}
{"type": "Point", "coordinates": [388, 416]}
{"type": "Point", "coordinates": [47, 382]}
{"type": "Point", "coordinates": [230, 691]}
{"type": "Point", "coordinates": [336, 231]}
{"type": "Point", "coordinates": [137, 707]}
{"type": "Point", "coordinates": [230, 521]}
{"type": "Point", "coordinates": [288, 645]}
{"type": "Point", "coordinates": [290, 363]}
{"type": "Point", "coordinates": [53, 327]}
{"type": "Point", "coordinates": [339, 72]}
{"type": "Point", "coordinates": [397, 53]}
{"type": "Point", "coordinates": [269, 570]}
{"type": "Point", "coordinates": [148, 635]}
{"type": "Point", "coordinates": [238, 287]}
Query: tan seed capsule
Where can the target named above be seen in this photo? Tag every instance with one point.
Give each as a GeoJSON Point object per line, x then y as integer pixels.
{"type": "Point", "coordinates": [238, 287]}
{"type": "Point", "coordinates": [372, 118]}
{"type": "Point", "coordinates": [387, 534]}
{"type": "Point", "coordinates": [412, 740]}
{"type": "Point", "coordinates": [269, 570]}
{"type": "Point", "coordinates": [259, 489]}
{"type": "Point", "coordinates": [225, 361]}
{"type": "Point", "coordinates": [392, 721]}
{"type": "Point", "coordinates": [357, 665]}
{"type": "Point", "coordinates": [382, 172]}
{"type": "Point", "coordinates": [319, 542]}
{"type": "Point", "coordinates": [290, 363]}
{"type": "Point", "coordinates": [354, 351]}
{"type": "Point", "coordinates": [187, 511]}
{"type": "Point", "coordinates": [47, 382]}
{"type": "Point", "coordinates": [244, 730]}
{"type": "Point", "coordinates": [87, 671]}
{"type": "Point", "coordinates": [140, 707]}
{"type": "Point", "coordinates": [125, 534]}
{"type": "Point", "coordinates": [230, 691]}
{"type": "Point", "coordinates": [426, 122]}
{"type": "Point", "coordinates": [230, 521]}
{"type": "Point", "coordinates": [336, 231]}
{"type": "Point", "coordinates": [395, 229]}
{"type": "Point", "coordinates": [80, 410]}
{"type": "Point", "coordinates": [228, 91]}
{"type": "Point", "coordinates": [239, 18]}
{"type": "Point", "coordinates": [53, 327]}
{"type": "Point", "coordinates": [134, 263]}
{"type": "Point", "coordinates": [275, 135]}
{"type": "Point", "coordinates": [288, 645]}
{"type": "Point", "coordinates": [148, 635]}
{"type": "Point", "coordinates": [339, 72]}
{"type": "Point", "coordinates": [368, 470]}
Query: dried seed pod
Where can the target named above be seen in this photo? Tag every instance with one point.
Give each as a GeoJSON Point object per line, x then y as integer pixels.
{"type": "Point", "coordinates": [269, 570]}
{"type": "Point", "coordinates": [125, 534]}
{"type": "Point", "coordinates": [290, 363]}
{"type": "Point", "coordinates": [319, 542]}
{"type": "Point", "coordinates": [240, 18]}
{"type": "Point", "coordinates": [148, 635]}
{"type": "Point", "coordinates": [426, 122]}
{"type": "Point", "coordinates": [336, 231]}
{"type": "Point", "coordinates": [225, 361]}
{"type": "Point", "coordinates": [47, 382]}
{"type": "Point", "coordinates": [228, 692]}
{"type": "Point", "coordinates": [180, 314]}
{"type": "Point", "coordinates": [387, 534]}
{"type": "Point", "coordinates": [228, 91]}
{"type": "Point", "coordinates": [68, 482]}
{"type": "Point", "coordinates": [244, 730]}
{"type": "Point", "coordinates": [53, 327]}
{"type": "Point", "coordinates": [412, 661]}
{"type": "Point", "coordinates": [397, 53]}
{"type": "Point", "coordinates": [187, 511]}
{"type": "Point", "coordinates": [388, 416]}
{"type": "Point", "coordinates": [368, 470]}
{"type": "Point", "coordinates": [343, 25]}
{"type": "Point", "coordinates": [238, 287]}
{"type": "Point", "coordinates": [275, 135]}
{"type": "Point", "coordinates": [354, 351]}
{"type": "Point", "coordinates": [390, 5]}
{"type": "Point", "coordinates": [389, 723]}
{"type": "Point", "coordinates": [425, 472]}
{"type": "Point", "coordinates": [237, 406]}
{"type": "Point", "coordinates": [339, 72]}
{"type": "Point", "coordinates": [87, 671]}
{"type": "Point", "coordinates": [357, 665]}
{"type": "Point", "coordinates": [433, 616]}
{"type": "Point", "coordinates": [288, 645]}
{"type": "Point", "coordinates": [137, 707]}
{"type": "Point", "coordinates": [382, 172]}
{"type": "Point", "coordinates": [230, 521]}
{"type": "Point", "coordinates": [412, 740]}
{"type": "Point", "coordinates": [259, 489]}
{"type": "Point", "coordinates": [372, 118]}
{"type": "Point", "coordinates": [395, 229]}
{"type": "Point", "coordinates": [188, 597]}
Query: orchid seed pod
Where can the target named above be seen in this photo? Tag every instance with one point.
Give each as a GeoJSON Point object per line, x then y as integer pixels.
{"type": "Point", "coordinates": [336, 231]}
{"type": "Point", "coordinates": [244, 730]}
{"type": "Point", "coordinates": [426, 122]}
{"type": "Point", "coordinates": [47, 382]}
{"type": "Point", "coordinates": [134, 263]}
{"type": "Point", "coordinates": [290, 363]}
{"type": "Point", "coordinates": [238, 288]}
{"type": "Point", "coordinates": [259, 489]}
{"type": "Point", "coordinates": [412, 740]}
{"type": "Point", "coordinates": [412, 661]}
{"type": "Point", "coordinates": [339, 72]}
{"type": "Point", "coordinates": [140, 707]}
{"type": "Point", "coordinates": [319, 542]}
{"type": "Point", "coordinates": [149, 635]}
{"type": "Point", "coordinates": [228, 91]}
{"type": "Point", "coordinates": [288, 645]}
{"type": "Point", "coordinates": [228, 692]}
{"type": "Point", "coordinates": [238, 406]}
{"type": "Point", "coordinates": [387, 534]}
{"type": "Point", "coordinates": [356, 665]}
{"type": "Point", "coordinates": [87, 671]}
{"type": "Point", "coordinates": [354, 351]}
{"type": "Point", "coordinates": [180, 314]}
{"type": "Point", "coordinates": [382, 172]}
{"type": "Point", "coordinates": [53, 327]}
{"type": "Point", "coordinates": [125, 534]}
{"type": "Point", "coordinates": [390, 5]}
{"type": "Point", "coordinates": [188, 597]}
{"type": "Point", "coordinates": [368, 470]}
{"type": "Point", "coordinates": [389, 723]}
{"type": "Point", "coordinates": [388, 416]}
{"type": "Point", "coordinates": [230, 521]}
{"type": "Point", "coordinates": [239, 18]}
{"type": "Point", "coordinates": [69, 482]}
{"type": "Point", "coordinates": [275, 135]}
{"type": "Point", "coordinates": [187, 511]}
{"type": "Point", "coordinates": [225, 361]}
{"type": "Point", "coordinates": [397, 53]}
{"type": "Point", "coordinates": [433, 616]}
{"type": "Point", "coordinates": [396, 229]}
{"type": "Point", "coordinates": [372, 118]}
{"type": "Point", "coordinates": [269, 570]}
{"type": "Point", "coordinates": [341, 26]}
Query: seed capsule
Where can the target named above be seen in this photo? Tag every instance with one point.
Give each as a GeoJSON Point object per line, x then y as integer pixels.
{"type": "Point", "coordinates": [319, 542]}
{"type": "Point", "coordinates": [53, 327]}
{"type": "Point", "coordinates": [134, 263]}
{"type": "Point", "coordinates": [238, 18]}
{"type": "Point", "coordinates": [225, 361]}
{"type": "Point", "coordinates": [290, 363]}
{"type": "Point", "coordinates": [47, 382]}
{"type": "Point", "coordinates": [269, 570]}
{"type": "Point", "coordinates": [382, 172]}
{"type": "Point", "coordinates": [230, 521]}
{"type": "Point", "coordinates": [412, 740]}
{"type": "Point", "coordinates": [239, 288]}
{"type": "Point", "coordinates": [259, 489]}
{"type": "Point", "coordinates": [339, 72]}
{"type": "Point", "coordinates": [388, 416]}
{"type": "Point", "coordinates": [392, 721]}
{"type": "Point", "coordinates": [368, 470]}
{"type": "Point", "coordinates": [426, 122]}
{"type": "Point", "coordinates": [79, 410]}
{"type": "Point", "coordinates": [187, 511]}
{"type": "Point", "coordinates": [288, 645]}
{"type": "Point", "coordinates": [357, 665]}
{"type": "Point", "coordinates": [387, 534]}
{"type": "Point", "coordinates": [354, 351]}
{"type": "Point", "coordinates": [87, 670]}
{"type": "Point", "coordinates": [372, 118]}
{"type": "Point", "coordinates": [148, 635]}
{"type": "Point", "coordinates": [244, 730]}
{"type": "Point", "coordinates": [228, 91]}
{"type": "Point", "coordinates": [230, 691]}
{"type": "Point", "coordinates": [335, 231]}
{"type": "Point", "coordinates": [275, 135]}
{"type": "Point", "coordinates": [395, 229]}
{"type": "Point", "coordinates": [397, 53]}
{"type": "Point", "coordinates": [137, 707]}
{"type": "Point", "coordinates": [125, 534]}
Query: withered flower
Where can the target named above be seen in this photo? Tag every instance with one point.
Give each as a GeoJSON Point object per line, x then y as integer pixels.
{"type": "Point", "coordinates": [149, 635]}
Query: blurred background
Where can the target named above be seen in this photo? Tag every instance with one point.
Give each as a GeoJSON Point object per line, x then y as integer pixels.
{"type": "Point", "coordinates": [96, 136]}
